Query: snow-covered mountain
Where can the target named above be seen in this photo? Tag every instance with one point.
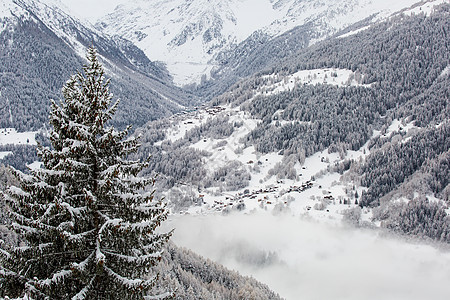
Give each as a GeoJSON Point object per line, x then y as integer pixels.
{"type": "Point", "coordinates": [42, 44]}
{"type": "Point", "coordinates": [356, 121]}
{"type": "Point", "coordinates": [189, 35]}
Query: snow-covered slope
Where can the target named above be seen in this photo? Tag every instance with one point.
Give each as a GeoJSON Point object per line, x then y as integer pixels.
{"type": "Point", "coordinates": [59, 19]}
{"type": "Point", "coordinates": [54, 14]}
{"type": "Point", "coordinates": [281, 139]}
{"type": "Point", "coordinates": [187, 35]}
{"type": "Point", "coordinates": [10, 12]}
{"type": "Point", "coordinates": [315, 191]}
{"type": "Point", "coordinates": [42, 44]}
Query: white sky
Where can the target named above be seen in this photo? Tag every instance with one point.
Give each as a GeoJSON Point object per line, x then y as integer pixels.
{"type": "Point", "coordinates": [92, 9]}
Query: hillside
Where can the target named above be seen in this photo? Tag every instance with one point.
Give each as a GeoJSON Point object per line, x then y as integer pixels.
{"type": "Point", "coordinates": [319, 166]}
{"type": "Point", "coordinates": [359, 121]}
{"type": "Point", "coordinates": [194, 38]}
{"type": "Point", "coordinates": [41, 46]}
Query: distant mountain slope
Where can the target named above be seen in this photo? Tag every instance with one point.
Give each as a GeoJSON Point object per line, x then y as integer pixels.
{"type": "Point", "coordinates": [358, 121]}
{"type": "Point", "coordinates": [260, 50]}
{"type": "Point", "coordinates": [192, 37]}
{"type": "Point", "coordinates": [41, 46]}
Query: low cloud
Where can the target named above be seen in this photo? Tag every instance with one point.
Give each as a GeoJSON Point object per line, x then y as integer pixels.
{"type": "Point", "coordinates": [306, 260]}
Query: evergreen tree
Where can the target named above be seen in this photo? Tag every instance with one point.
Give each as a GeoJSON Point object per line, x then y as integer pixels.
{"type": "Point", "coordinates": [87, 221]}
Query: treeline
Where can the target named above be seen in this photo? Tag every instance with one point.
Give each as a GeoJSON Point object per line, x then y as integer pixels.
{"type": "Point", "coordinates": [385, 169]}
{"type": "Point", "coordinates": [406, 63]}
{"type": "Point", "coordinates": [218, 127]}
{"type": "Point", "coordinates": [194, 277]}
{"type": "Point", "coordinates": [21, 156]}
{"type": "Point", "coordinates": [419, 217]}
{"type": "Point", "coordinates": [318, 117]}
{"type": "Point", "coordinates": [402, 59]}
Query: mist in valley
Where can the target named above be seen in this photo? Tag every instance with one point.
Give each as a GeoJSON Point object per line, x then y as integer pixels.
{"type": "Point", "coordinates": [303, 259]}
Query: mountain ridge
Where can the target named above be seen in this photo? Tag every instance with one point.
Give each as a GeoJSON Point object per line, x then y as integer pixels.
{"type": "Point", "coordinates": [190, 37]}
{"type": "Point", "coordinates": [34, 37]}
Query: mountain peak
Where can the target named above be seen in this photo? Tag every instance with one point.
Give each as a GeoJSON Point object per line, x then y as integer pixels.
{"type": "Point", "coordinates": [188, 36]}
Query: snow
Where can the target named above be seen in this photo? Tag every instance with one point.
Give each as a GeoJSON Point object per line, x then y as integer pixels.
{"type": "Point", "coordinates": [398, 125]}
{"type": "Point", "coordinates": [135, 259]}
{"type": "Point", "coordinates": [188, 72]}
{"type": "Point", "coordinates": [9, 9]}
{"type": "Point", "coordinates": [400, 130]}
{"type": "Point", "coordinates": [3, 154]}
{"type": "Point", "coordinates": [173, 31]}
{"type": "Point", "coordinates": [91, 10]}
{"type": "Point", "coordinates": [445, 72]}
{"type": "Point", "coordinates": [331, 76]}
{"type": "Point", "coordinates": [291, 233]}
{"type": "Point", "coordinates": [5, 9]}
{"type": "Point", "coordinates": [129, 283]}
{"type": "Point", "coordinates": [35, 165]}
{"type": "Point", "coordinates": [425, 8]}
{"type": "Point", "coordinates": [158, 27]}
{"type": "Point", "coordinates": [99, 256]}
{"type": "Point", "coordinates": [18, 191]}
{"type": "Point", "coordinates": [252, 15]}
{"type": "Point", "coordinates": [180, 129]}
{"type": "Point", "coordinates": [302, 197]}
{"type": "Point", "coordinates": [82, 294]}
{"type": "Point", "coordinates": [354, 32]}
{"type": "Point", "coordinates": [56, 278]}
{"type": "Point", "coordinates": [220, 156]}
{"type": "Point", "coordinates": [56, 16]}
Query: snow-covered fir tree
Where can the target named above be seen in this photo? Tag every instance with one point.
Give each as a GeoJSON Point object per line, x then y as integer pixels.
{"type": "Point", "coordinates": [86, 218]}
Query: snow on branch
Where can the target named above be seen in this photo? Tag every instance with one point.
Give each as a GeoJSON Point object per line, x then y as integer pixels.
{"type": "Point", "coordinates": [99, 256]}
{"type": "Point", "coordinates": [128, 196]}
{"type": "Point", "coordinates": [81, 267]}
{"type": "Point", "coordinates": [83, 293]}
{"type": "Point", "coordinates": [5, 253]}
{"type": "Point", "coordinates": [131, 284]}
{"type": "Point", "coordinates": [146, 208]}
{"type": "Point", "coordinates": [76, 238]}
{"type": "Point", "coordinates": [18, 192]}
{"type": "Point", "coordinates": [23, 228]}
{"type": "Point", "coordinates": [136, 259]}
{"type": "Point", "coordinates": [27, 224]}
{"type": "Point", "coordinates": [56, 278]}
{"type": "Point", "coordinates": [74, 211]}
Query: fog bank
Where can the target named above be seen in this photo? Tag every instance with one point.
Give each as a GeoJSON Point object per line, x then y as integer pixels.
{"type": "Point", "coordinates": [305, 260]}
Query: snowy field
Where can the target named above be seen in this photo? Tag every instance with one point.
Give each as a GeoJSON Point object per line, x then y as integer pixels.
{"type": "Point", "coordinates": [11, 136]}
{"type": "Point", "coordinates": [302, 259]}
{"type": "Point", "coordinates": [3, 154]}
{"type": "Point", "coordinates": [331, 76]}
